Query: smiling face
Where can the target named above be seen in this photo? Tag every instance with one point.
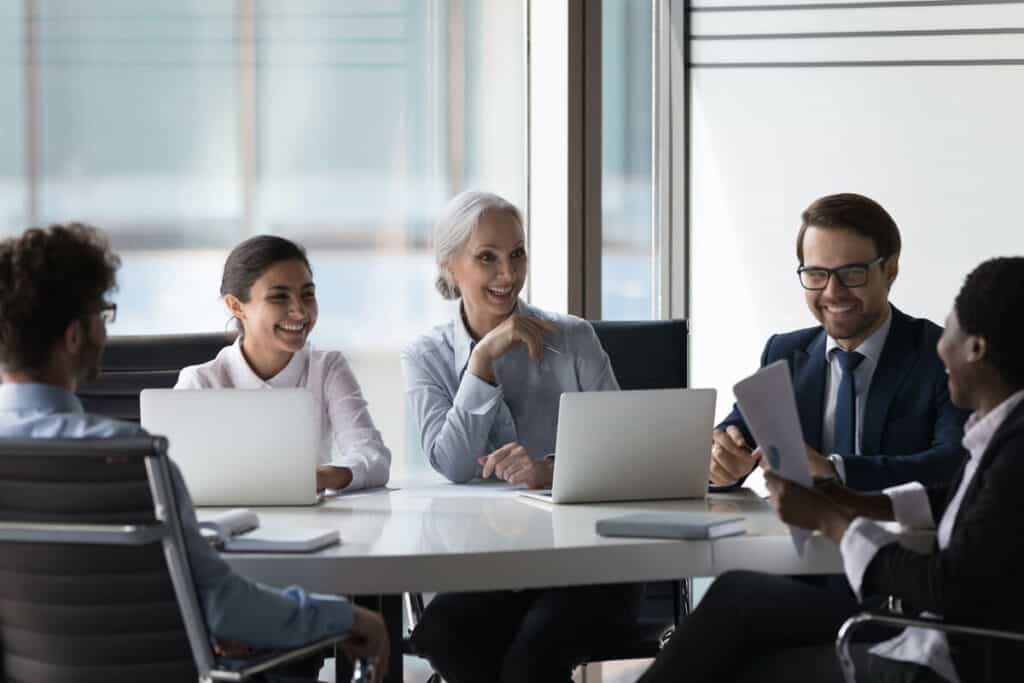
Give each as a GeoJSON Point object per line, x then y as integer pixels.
{"type": "Point", "coordinates": [490, 270]}
{"type": "Point", "coordinates": [281, 310]}
{"type": "Point", "coordinates": [849, 315]}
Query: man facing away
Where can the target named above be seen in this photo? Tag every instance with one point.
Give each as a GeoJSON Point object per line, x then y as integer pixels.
{"type": "Point", "coordinates": [870, 389]}
{"type": "Point", "coordinates": [53, 316]}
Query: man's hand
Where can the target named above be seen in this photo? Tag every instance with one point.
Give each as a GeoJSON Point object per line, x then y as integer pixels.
{"type": "Point", "coordinates": [513, 463]}
{"type": "Point", "coordinates": [331, 477]}
{"type": "Point", "coordinates": [731, 457]}
{"type": "Point", "coordinates": [368, 639]}
{"type": "Point", "coordinates": [806, 508]}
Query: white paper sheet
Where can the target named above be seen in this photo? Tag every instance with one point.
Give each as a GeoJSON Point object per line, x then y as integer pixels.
{"type": "Point", "coordinates": [768, 406]}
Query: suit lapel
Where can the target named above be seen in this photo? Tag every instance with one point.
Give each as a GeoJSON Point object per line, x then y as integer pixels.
{"type": "Point", "coordinates": [898, 357]}
{"type": "Point", "coordinates": [809, 385]}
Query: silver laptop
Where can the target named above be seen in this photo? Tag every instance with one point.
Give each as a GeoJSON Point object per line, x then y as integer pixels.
{"type": "Point", "coordinates": [632, 445]}
{"type": "Point", "coordinates": [239, 446]}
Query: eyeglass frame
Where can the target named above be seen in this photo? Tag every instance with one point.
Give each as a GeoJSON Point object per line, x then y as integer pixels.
{"type": "Point", "coordinates": [836, 271]}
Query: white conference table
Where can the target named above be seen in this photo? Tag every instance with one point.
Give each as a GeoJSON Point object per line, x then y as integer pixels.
{"type": "Point", "coordinates": [436, 537]}
{"type": "Point", "coordinates": [428, 536]}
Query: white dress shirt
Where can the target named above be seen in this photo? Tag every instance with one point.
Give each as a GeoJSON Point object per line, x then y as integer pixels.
{"type": "Point", "coordinates": [348, 436]}
{"type": "Point", "coordinates": [871, 349]}
{"type": "Point", "coordinates": [911, 508]}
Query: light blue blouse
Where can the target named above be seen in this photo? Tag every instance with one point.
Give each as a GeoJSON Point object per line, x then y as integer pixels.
{"type": "Point", "coordinates": [461, 417]}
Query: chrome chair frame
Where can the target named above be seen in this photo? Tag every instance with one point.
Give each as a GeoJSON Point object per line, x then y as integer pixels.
{"type": "Point", "coordinates": [167, 531]}
{"type": "Point", "coordinates": [845, 634]}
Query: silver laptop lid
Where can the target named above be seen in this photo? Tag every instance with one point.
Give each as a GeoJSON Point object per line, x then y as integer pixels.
{"type": "Point", "coordinates": [239, 446]}
{"type": "Point", "coordinates": [633, 445]}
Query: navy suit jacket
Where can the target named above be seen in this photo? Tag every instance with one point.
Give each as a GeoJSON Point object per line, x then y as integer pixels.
{"type": "Point", "coordinates": [911, 431]}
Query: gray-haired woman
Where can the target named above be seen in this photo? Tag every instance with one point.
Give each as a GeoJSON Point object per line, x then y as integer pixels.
{"type": "Point", "coordinates": [484, 389]}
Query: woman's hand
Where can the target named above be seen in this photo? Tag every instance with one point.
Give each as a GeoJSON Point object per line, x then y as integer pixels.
{"type": "Point", "coordinates": [516, 329]}
{"type": "Point", "coordinates": [512, 463]}
{"type": "Point", "coordinates": [332, 477]}
{"type": "Point", "coordinates": [806, 508]}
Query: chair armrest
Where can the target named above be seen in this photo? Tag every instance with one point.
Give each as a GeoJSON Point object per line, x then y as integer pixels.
{"type": "Point", "coordinates": [889, 619]}
{"type": "Point", "coordinates": [251, 667]}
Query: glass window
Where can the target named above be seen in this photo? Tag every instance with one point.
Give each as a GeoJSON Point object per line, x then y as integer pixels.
{"type": "Point", "coordinates": [184, 126]}
{"type": "Point", "coordinates": [627, 259]}
{"type": "Point", "coordinates": [13, 141]}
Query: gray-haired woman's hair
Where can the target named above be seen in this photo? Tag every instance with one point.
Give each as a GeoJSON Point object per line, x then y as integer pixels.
{"type": "Point", "coordinates": [456, 223]}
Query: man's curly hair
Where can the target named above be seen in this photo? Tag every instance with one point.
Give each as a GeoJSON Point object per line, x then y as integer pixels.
{"type": "Point", "coordinates": [49, 277]}
{"type": "Point", "coordinates": [991, 305]}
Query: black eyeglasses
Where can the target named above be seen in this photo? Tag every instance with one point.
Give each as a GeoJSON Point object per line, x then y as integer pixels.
{"type": "Point", "coordinates": [851, 275]}
{"type": "Point", "coordinates": [108, 313]}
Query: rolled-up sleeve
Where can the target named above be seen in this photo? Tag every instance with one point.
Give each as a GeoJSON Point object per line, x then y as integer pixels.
{"type": "Point", "coordinates": [258, 615]}
{"type": "Point", "coordinates": [453, 429]}
{"type": "Point", "coordinates": [355, 441]}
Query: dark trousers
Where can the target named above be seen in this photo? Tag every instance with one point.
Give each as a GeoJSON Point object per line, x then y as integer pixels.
{"type": "Point", "coordinates": [753, 626]}
{"type": "Point", "coordinates": [529, 636]}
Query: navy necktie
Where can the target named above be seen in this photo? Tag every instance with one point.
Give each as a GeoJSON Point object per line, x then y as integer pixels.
{"type": "Point", "coordinates": [845, 441]}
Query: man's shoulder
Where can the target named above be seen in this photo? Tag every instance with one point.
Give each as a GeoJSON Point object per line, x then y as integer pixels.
{"type": "Point", "coordinates": [785, 344]}
{"type": "Point", "coordinates": [67, 426]}
{"type": "Point", "coordinates": [922, 330]}
{"type": "Point", "coordinates": [100, 426]}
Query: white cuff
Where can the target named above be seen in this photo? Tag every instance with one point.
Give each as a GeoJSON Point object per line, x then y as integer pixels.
{"type": "Point", "coordinates": [358, 476]}
{"type": "Point", "coordinates": [476, 396]}
{"type": "Point", "coordinates": [910, 505]}
{"type": "Point", "coordinates": [860, 543]}
{"type": "Point", "coordinates": [837, 462]}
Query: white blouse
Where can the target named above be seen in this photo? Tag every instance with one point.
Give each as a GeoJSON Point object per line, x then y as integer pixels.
{"type": "Point", "coordinates": [348, 436]}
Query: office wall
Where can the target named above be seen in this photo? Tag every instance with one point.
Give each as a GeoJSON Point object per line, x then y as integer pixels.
{"type": "Point", "coordinates": [918, 105]}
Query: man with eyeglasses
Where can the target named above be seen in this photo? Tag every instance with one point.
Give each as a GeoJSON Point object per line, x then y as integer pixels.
{"type": "Point", "coordinates": [870, 388]}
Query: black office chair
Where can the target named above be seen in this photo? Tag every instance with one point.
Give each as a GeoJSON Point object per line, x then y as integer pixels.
{"type": "Point", "coordinates": [644, 355]}
{"type": "Point", "coordinates": [648, 354]}
{"type": "Point", "coordinates": [94, 581]}
{"type": "Point", "coordinates": [996, 669]}
{"type": "Point", "coordinates": [133, 363]}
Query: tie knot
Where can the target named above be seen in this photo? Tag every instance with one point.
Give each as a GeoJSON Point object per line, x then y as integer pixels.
{"type": "Point", "coordinates": [848, 360]}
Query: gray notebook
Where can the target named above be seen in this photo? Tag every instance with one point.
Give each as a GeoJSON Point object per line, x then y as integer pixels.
{"type": "Point", "coordinates": [689, 525]}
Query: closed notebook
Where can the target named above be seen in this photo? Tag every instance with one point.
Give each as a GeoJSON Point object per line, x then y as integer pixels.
{"type": "Point", "coordinates": [238, 531]}
{"type": "Point", "coordinates": [686, 525]}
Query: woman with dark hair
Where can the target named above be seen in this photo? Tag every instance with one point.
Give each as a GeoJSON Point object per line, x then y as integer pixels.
{"type": "Point", "coordinates": [972, 575]}
{"type": "Point", "coordinates": [268, 288]}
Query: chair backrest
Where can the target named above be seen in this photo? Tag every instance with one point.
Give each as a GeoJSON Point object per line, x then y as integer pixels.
{"type": "Point", "coordinates": [94, 584]}
{"type": "Point", "coordinates": [133, 363]}
{"type": "Point", "coordinates": [648, 354]}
